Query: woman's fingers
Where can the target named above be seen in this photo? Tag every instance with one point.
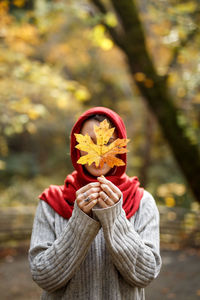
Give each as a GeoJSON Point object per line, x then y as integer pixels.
{"type": "Point", "coordinates": [87, 200]}
{"type": "Point", "coordinates": [102, 203]}
{"type": "Point", "coordinates": [87, 193]}
{"type": "Point", "coordinates": [86, 188]}
{"type": "Point", "coordinates": [110, 189]}
{"type": "Point", "coordinates": [90, 194]}
{"type": "Point", "coordinates": [111, 185]}
{"type": "Point", "coordinates": [106, 199]}
{"type": "Point", "coordinates": [106, 189]}
{"type": "Point", "coordinates": [82, 200]}
{"type": "Point", "coordinates": [87, 208]}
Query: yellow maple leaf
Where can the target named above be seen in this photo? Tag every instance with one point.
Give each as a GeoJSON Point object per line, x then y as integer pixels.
{"type": "Point", "coordinates": [101, 152]}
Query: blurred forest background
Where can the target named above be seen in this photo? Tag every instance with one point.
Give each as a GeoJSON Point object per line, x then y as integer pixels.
{"type": "Point", "coordinates": [140, 58]}
{"type": "Point", "coordinates": [59, 58]}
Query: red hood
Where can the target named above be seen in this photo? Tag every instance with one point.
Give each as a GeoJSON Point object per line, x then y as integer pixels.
{"type": "Point", "coordinates": [120, 130]}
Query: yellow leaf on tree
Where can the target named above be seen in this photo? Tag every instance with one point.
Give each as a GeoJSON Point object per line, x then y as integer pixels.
{"type": "Point", "coordinates": [101, 152]}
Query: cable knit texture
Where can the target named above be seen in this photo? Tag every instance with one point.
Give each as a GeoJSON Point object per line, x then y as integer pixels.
{"type": "Point", "coordinates": [107, 257]}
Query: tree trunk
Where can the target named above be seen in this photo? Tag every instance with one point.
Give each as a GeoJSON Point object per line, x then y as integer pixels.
{"type": "Point", "coordinates": [146, 152]}
{"type": "Point", "coordinates": [155, 91]}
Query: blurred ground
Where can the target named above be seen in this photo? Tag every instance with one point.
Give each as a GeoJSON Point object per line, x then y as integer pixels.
{"type": "Point", "coordinates": [179, 278]}
{"type": "Point", "coordinates": [15, 278]}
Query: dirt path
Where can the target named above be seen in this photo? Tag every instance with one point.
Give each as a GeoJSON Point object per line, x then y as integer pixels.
{"type": "Point", "coordinates": [179, 278]}
{"type": "Point", "coordinates": [15, 279]}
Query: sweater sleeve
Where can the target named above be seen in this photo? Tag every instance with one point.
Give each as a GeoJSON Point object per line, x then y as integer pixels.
{"type": "Point", "coordinates": [134, 247]}
{"type": "Point", "coordinates": [53, 261]}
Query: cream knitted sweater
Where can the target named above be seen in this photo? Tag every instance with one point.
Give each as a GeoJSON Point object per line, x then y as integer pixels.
{"type": "Point", "coordinates": [106, 257]}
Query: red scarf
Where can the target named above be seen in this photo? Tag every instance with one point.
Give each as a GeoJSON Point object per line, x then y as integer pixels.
{"type": "Point", "coordinates": [61, 198]}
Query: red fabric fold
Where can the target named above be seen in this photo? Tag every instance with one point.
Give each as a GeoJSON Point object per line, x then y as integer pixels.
{"type": "Point", "coordinates": [61, 198]}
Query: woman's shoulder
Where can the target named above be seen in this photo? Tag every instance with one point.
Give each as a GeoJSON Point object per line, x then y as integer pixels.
{"type": "Point", "coordinates": [147, 209]}
{"type": "Point", "coordinates": [44, 209]}
{"type": "Point", "coordinates": [147, 202]}
{"type": "Point", "coordinates": [147, 196]}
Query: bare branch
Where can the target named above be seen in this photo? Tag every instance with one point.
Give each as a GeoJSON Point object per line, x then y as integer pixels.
{"type": "Point", "coordinates": [100, 6]}
{"type": "Point", "coordinates": [115, 35]}
{"type": "Point", "coordinates": [181, 45]}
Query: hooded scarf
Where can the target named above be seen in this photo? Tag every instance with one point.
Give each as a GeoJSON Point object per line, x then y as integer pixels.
{"type": "Point", "coordinates": [61, 198]}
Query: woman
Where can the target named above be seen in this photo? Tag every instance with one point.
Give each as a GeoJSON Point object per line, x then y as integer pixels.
{"type": "Point", "coordinates": [95, 237]}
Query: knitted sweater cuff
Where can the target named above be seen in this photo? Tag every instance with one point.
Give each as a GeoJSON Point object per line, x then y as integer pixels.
{"type": "Point", "coordinates": [107, 216]}
{"type": "Point", "coordinates": [85, 219]}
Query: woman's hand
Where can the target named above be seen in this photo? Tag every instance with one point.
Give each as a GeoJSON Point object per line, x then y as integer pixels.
{"type": "Point", "coordinates": [109, 194]}
{"type": "Point", "coordinates": [87, 196]}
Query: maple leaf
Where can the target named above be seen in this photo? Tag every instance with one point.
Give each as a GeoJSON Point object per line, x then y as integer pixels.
{"type": "Point", "coordinates": [101, 152]}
